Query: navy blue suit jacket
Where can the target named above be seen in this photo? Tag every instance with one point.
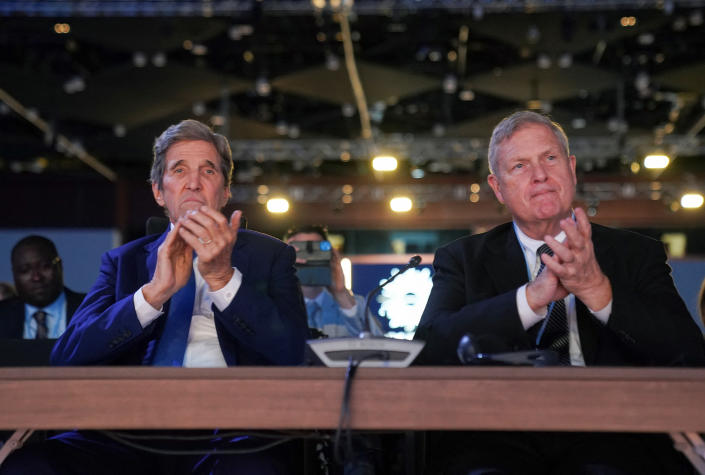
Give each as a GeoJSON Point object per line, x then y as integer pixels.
{"type": "Point", "coordinates": [474, 291]}
{"type": "Point", "coordinates": [12, 313]}
{"type": "Point", "coordinates": [265, 324]}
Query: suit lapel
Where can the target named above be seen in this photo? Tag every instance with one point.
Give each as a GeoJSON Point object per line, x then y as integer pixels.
{"type": "Point", "coordinates": [151, 250]}
{"type": "Point", "coordinates": [505, 263]}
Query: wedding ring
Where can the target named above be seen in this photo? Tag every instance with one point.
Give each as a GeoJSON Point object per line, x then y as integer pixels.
{"type": "Point", "coordinates": [205, 243]}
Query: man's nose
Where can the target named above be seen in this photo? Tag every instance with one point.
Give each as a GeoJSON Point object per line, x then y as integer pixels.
{"type": "Point", "coordinates": [539, 172]}
{"type": "Point", "coordinates": [193, 181]}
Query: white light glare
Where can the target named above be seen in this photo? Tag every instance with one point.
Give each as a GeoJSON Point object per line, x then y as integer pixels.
{"type": "Point", "coordinates": [277, 205]}
{"type": "Point", "coordinates": [692, 200]}
{"type": "Point", "coordinates": [401, 204]}
{"type": "Point", "coordinates": [656, 161]}
{"type": "Point", "coordinates": [346, 264]}
{"type": "Point", "coordinates": [384, 163]}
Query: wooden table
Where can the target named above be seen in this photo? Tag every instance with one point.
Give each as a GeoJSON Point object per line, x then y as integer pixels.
{"type": "Point", "coordinates": [420, 398]}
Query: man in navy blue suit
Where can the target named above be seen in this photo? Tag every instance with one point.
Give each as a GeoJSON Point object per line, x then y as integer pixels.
{"type": "Point", "coordinates": [246, 307]}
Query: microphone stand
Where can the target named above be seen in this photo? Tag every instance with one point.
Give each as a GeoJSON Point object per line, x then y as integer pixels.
{"type": "Point", "coordinates": [366, 349]}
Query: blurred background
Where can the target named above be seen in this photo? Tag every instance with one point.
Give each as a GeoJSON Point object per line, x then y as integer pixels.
{"type": "Point", "coordinates": [309, 92]}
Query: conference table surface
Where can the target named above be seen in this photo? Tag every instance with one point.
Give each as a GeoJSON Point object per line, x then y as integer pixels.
{"type": "Point", "coordinates": [416, 398]}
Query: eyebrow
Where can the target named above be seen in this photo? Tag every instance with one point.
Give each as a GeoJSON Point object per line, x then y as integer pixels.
{"type": "Point", "coordinates": [182, 162]}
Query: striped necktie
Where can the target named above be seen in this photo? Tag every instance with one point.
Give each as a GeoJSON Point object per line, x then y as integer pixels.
{"type": "Point", "coordinates": [42, 331]}
{"type": "Point", "coordinates": [554, 332]}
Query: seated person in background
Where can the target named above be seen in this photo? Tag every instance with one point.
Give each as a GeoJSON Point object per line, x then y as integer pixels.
{"type": "Point", "coordinates": [333, 310]}
{"type": "Point", "coordinates": [43, 306]}
{"type": "Point", "coordinates": [607, 295]}
{"type": "Point", "coordinates": [7, 290]}
{"type": "Point", "coordinates": [155, 303]}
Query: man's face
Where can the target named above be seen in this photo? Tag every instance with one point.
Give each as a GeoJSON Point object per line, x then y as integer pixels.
{"type": "Point", "coordinates": [38, 275]}
{"type": "Point", "coordinates": [192, 178]}
{"type": "Point", "coordinates": [534, 177]}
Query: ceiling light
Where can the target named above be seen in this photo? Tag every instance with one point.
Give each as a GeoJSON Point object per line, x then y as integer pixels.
{"type": "Point", "coordinates": [466, 95]}
{"type": "Point", "coordinates": [263, 87]}
{"type": "Point", "coordinates": [278, 205]}
{"type": "Point", "coordinates": [139, 59]}
{"type": "Point", "coordinates": [565, 61]}
{"type": "Point", "coordinates": [543, 61]}
{"type": "Point", "coordinates": [75, 84]}
{"type": "Point", "coordinates": [401, 204]}
{"type": "Point", "coordinates": [119, 130]}
{"type": "Point", "coordinates": [417, 173]}
{"type": "Point", "coordinates": [384, 163]}
{"type": "Point", "coordinates": [450, 84]}
{"type": "Point", "coordinates": [159, 60]}
{"type": "Point", "coordinates": [656, 162]}
{"type": "Point", "coordinates": [692, 200]}
{"type": "Point", "coordinates": [62, 28]}
{"type": "Point", "coordinates": [199, 49]}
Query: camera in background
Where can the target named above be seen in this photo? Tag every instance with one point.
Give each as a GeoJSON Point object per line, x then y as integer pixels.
{"type": "Point", "coordinates": [315, 271]}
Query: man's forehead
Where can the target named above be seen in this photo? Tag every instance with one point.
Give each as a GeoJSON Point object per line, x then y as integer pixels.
{"type": "Point", "coordinates": [191, 149]}
{"type": "Point", "coordinates": [515, 143]}
{"type": "Point", "coordinates": [32, 252]}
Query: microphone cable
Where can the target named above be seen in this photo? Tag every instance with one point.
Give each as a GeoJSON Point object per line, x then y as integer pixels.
{"type": "Point", "coordinates": [339, 453]}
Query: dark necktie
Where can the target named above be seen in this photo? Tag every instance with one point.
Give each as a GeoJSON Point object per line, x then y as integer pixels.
{"type": "Point", "coordinates": [42, 331]}
{"type": "Point", "coordinates": [172, 344]}
{"type": "Point", "coordinates": [554, 332]}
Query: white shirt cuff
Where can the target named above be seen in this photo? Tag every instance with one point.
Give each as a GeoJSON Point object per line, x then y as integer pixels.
{"type": "Point", "coordinates": [527, 316]}
{"type": "Point", "coordinates": [604, 313]}
{"type": "Point", "coordinates": [223, 297]}
{"type": "Point", "coordinates": [349, 312]}
{"type": "Point", "coordinates": [146, 314]}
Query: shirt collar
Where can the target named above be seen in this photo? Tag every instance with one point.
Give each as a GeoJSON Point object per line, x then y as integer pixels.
{"type": "Point", "coordinates": [533, 244]}
{"type": "Point", "coordinates": [53, 308]}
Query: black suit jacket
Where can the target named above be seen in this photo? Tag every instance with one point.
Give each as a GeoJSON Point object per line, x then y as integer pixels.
{"type": "Point", "coordinates": [12, 313]}
{"type": "Point", "coordinates": [474, 290]}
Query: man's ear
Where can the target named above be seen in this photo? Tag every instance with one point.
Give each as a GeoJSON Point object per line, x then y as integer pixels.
{"type": "Point", "coordinates": [494, 184]}
{"type": "Point", "coordinates": [157, 194]}
{"type": "Point", "coordinates": [226, 197]}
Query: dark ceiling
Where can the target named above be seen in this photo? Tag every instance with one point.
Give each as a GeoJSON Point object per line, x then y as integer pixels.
{"type": "Point", "coordinates": [624, 78]}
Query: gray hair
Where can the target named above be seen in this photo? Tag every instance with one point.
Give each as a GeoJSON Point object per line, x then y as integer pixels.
{"type": "Point", "coordinates": [190, 129]}
{"type": "Point", "coordinates": [510, 124]}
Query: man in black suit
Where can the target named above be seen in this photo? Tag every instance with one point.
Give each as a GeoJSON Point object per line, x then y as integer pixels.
{"type": "Point", "coordinates": [43, 306]}
{"type": "Point", "coordinates": [601, 297]}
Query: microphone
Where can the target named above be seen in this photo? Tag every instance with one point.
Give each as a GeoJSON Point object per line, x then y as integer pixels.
{"type": "Point", "coordinates": [413, 262]}
{"type": "Point", "coordinates": [366, 349]}
{"type": "Point", "coordinates": [470, 352]}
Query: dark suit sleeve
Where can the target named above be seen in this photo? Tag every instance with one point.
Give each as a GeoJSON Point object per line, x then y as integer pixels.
{"type": "Point", "coordinates": [464, 299]}
{"type": "Point", "coordinates": [649, 319]}
{"type": "Point", "coordinates": [105, 327]}
{"type": "Point", "coordinates": [266, 318]}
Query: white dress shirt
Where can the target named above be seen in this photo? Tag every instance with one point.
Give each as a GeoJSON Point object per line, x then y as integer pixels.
{"type": "Point", "coordinates": [203, 349]}
{"type": "Point", "coordinates": [529, 318]}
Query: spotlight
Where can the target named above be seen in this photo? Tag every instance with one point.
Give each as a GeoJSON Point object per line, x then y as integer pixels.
{"type": "Point", "coordinates": [656, 162]}
{"type": "Point", "coordinates": [278, 205]}
{"type": "Point", "coordinates": [692, 200]}
{"type": "Point", "coordinates": [401, 204]}
{"type": "Point", "coordinates": [384, 163]}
